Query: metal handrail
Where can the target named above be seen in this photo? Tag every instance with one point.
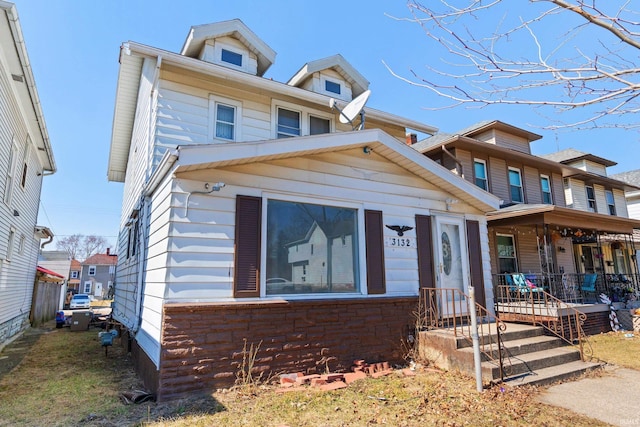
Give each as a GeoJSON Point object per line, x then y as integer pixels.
{"type": "Point", "coordinates": [448, 308]}
{"type": "Point", "coordinates": [538, 307]}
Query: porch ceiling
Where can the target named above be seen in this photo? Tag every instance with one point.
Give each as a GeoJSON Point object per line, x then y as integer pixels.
{"type": "Point", "coordinates": [563, 217]}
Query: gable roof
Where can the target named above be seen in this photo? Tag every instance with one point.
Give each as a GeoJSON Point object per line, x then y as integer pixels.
{"type": "Point", "coordinates": [76, 265]}
{"type": "Point", "coordinates": [571, 155]}
{"type": "Point", "coordinates": [196, 157]}
{"type": "Point", "coordinates": [23, 83]}
{"type": "Point", "coordinates": [199, 34]}
{"type": "Point", "coordinates": [101, 259]}
{"type": "Point", "coordinates": [336, 62]}
{"type": "Point", "coordinates": [132, 56]}
{"type": "Point", "coordinates": [485, 125]}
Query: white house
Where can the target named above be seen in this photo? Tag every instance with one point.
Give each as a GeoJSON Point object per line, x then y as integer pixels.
{"type": "Point", "coordinates": [25, 157]}
{"type": "Point", "coordinates": [224, 170]}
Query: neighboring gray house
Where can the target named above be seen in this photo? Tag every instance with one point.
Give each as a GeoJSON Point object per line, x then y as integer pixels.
{"type": "Point", "coordinates": [25, 158]}
{"type": "Point", "coordinates": [98, 274]}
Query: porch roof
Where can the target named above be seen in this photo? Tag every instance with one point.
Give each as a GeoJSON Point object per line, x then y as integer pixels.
{"type": "Point", "coordinates": [523, 214]}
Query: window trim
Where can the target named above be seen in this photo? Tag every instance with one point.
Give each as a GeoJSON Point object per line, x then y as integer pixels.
{"type": "Point", "coordinates": [11, 173]}
{"type": "Point", "coordinates": [214, 100]}
{"type": "Point", "coordinates": [95, 269]}
{"type": "Point", "coordinates": [305, 117]}
{"type": "Point", "coordinates": [486, 173]}
{"type": "Point", "coordinates": [25, 162]}
{"type": "Point", "coordinates": [361, 273]}
{"type": "Point", "coordinates": [550, 192]}
{"type": "Point", "coordinates": [586, 193]}
{"type": "Point", "coordinates": [611, 206]}
{"type": "Point", "coordinates": [75, 274]}
{"type": "Point", "coordinates": [10, 243]}
{"type": "Point", "coordinates": [217, 51]}
{"type": "Point", "coordinates": [515, 250]}
{"type": "Point", "coordinates": [521, 187]}
{"type": "Point", "coordinates": [84, 287]}
{"type": "Point", "coordinates": [323, 86]}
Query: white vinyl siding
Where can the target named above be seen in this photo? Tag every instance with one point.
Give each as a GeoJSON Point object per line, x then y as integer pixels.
{"type": "Point", "coordinates": [11, 173]}
{"type": "Point", "coordinates": [621, 205]}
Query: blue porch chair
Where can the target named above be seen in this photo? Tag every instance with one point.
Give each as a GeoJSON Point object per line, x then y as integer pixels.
{"type": "Point", "coordinates": [518, 284]}
{"type": "Point", "coordinates": [589, 284]}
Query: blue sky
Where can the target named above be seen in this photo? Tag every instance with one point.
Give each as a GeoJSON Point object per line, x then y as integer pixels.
{"type": "Point", "coordinates": [74, 45]}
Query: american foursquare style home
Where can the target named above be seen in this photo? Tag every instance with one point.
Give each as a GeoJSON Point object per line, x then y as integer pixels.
{"type": "Point", "coordinates": [253, 215]}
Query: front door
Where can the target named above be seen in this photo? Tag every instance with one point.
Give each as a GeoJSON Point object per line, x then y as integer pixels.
{"type": "Point", "coordinates": [452, 265]}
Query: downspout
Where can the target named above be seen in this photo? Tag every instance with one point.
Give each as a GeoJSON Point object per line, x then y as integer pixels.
{"type": "Point", "coordinates": [167, 162]}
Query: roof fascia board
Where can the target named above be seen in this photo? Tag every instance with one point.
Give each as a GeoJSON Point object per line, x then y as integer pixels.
{"type": "Point", "coordinates": [290, 147]}
{"type": "Point", "coordinates": [23, 57]}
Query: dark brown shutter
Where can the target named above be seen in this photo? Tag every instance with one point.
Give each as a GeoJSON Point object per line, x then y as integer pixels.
{"type": "Point", "coordinates": [375, 252]}
{"type": "Point", "coordinates": [475, 261]}
{"type": "Point", "coordinates": [246, 280]}
{"type": "Point", "coordinates": [424, 240]}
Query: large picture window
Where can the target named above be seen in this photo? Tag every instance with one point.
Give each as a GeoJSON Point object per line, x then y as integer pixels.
{"type": "Point", "coordinates": [311, 248]}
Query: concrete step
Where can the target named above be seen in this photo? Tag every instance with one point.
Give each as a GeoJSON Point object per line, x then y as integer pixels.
{"type": "Point", "coordinates": [531, 362]}
{"type": "Point", "coordinates": [487, 333]}
{"type": "Point", "coordinates": [553, 374]}
{"type": "Point", "coordinates": [517, 347]}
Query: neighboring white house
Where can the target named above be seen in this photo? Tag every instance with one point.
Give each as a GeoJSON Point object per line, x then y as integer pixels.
{"type": "Point", "coordinates": [25, 157]}
{"type": "Point", "coordinates": [224, 170]}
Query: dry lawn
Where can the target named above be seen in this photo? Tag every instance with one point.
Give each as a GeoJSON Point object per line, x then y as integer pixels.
{"type": "Point", "coordinates": [617, 348]}
{"type": "Point", "coordinates": [66, 380]}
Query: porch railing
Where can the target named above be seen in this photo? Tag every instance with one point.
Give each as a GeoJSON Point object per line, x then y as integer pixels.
{"type": "Point", "coordinates": [447, 308]}
{"type": "Point", "coordinates": [569, 287]}
{"type": "Point", "coordinates": [538, 307]}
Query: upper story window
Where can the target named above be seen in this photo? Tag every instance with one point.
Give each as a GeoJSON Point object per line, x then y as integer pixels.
{"type": "Point", "coordinates": [591, 198]}
{"type": "Point", "coordinates": [290, 120]}
{"type": "Point", "coordinates": [25, 161]}
{"type": "Point", "coordinates": [545, 184]}
{"type": "Point", "coordinates": [230, 57]}
{"type": "Point", "coordinates": [318, 125]}
{"type": "Point", "coordinates": [515, 185]}
{"type": "Point", "coordinates": [92, 270]}
{"type": "Point", "coordinates": [288, 123]}
{"type": "Point", "coordinates": [611, 202]}
{"type": "Point", "coordinates": [333, 87]}
{"type": "Point", "coordinates": [10, 243]}
{"type": "Point", "coordinates": [74, 275]}
{"type": "Point", "coordinates": [8, 186]}
{"type": "Point", "coordinates": [480, 174]}
{"type": "Point", "coordinates": [225, 121]}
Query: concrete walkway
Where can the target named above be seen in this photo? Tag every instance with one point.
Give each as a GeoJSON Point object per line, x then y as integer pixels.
{"type": "Point", "coordinates": [612, 397]}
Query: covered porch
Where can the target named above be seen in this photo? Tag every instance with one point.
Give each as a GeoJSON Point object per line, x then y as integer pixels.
{"type": "Point", "coordinates": [573, 255]}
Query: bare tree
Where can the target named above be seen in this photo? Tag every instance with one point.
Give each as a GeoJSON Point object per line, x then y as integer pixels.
{"type": "Point", "coordinates": [71, 244]}
{"type": "Point", "coordinates": [82, 247]}
{"type": "Point", "coordinates": [576, 60]}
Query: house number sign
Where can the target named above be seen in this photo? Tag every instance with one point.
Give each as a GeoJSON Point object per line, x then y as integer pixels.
{"type": "Point", "coordinates": [400, 242]}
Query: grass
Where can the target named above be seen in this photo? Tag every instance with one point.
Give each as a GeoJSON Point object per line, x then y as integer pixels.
{"type": "Point", "coordinates": [66, 380]}
{"type": "Point", "coordinates": [618, 348]}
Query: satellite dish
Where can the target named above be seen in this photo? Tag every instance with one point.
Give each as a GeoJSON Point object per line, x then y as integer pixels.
{"type": "Point", "coordinates": [352, 109]}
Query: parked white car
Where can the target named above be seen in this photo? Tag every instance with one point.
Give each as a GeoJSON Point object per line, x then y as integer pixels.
{"type": "Point", "coordinates": [80, 301]}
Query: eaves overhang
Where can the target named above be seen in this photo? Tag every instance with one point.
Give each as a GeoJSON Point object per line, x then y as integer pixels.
{"type": "Point", "coordinates": [24, 85]}
{"type": "Point", "coordinates": [199, 157]}
{"type": "Point", "coordinates": [132, 56]}
{"type": "Point", "coordinates": [523, 214]}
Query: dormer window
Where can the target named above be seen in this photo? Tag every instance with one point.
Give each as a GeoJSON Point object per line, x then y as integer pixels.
{"type": "Point", "coordinates": [332, 87]}
{"type": "Point", "coordinates": [230, 57]}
